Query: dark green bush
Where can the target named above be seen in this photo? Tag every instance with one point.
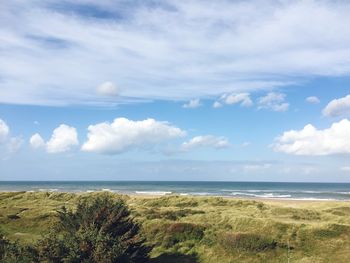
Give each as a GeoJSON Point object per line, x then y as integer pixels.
{"type": "Point", "coordinates": [332, 231]}
{"type": "Point", "coordinates": [340, 211]}
{"type": "Point", "coordinates": [171, 214]}
{"type": "Point", "coordinates": [13, 252]}
{"type": "Point", "coordinates": [175, 201]}
{"type": "Point", "coordinates": [100, 230]}
{"type": "Point", "coordinates": [179, 232]}
{"type": "Point", "coordinates": [246, 242]}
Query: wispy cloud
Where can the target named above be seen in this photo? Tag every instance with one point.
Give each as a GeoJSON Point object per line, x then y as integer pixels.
{"type": "Point", "coordinates": [56, 53]}
{"type": "Point", "coordinates": [205, 141]}
{"type": "Point", "coordinates": [195, 103]}
{"type": "Point", "coordinates": [242, 99]}
{"type": "Point", "coordinates": [273, 101]}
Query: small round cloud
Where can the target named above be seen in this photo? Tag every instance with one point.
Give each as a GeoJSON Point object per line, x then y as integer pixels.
{"type": "Point", "coordinates": [107, 89]}
{"type": "Point", "coordinates": [36, 141]}
{"type": "Point", "coordinates": [313, 100]}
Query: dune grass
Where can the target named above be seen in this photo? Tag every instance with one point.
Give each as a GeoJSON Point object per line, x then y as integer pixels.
{"type": "Point", "coordinates": [205, 229]}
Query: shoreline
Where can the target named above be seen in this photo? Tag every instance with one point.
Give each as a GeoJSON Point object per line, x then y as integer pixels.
{"type": "Point", "coordinates": [154, 195]}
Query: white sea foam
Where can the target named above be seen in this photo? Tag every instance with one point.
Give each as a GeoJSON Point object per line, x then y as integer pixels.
{"type": "Point", "coordinates": [48, 190]}
{"type": "Point", "coordinates": [202, 193]}
{"type": "Point", "coordinates": [267, 195]}
{"type": "Point", "coordinates": [278, 191]}
{"type": "Point", "coordinates": [153, 192]}
{"type": "Point", "coordinates": [106, 190]}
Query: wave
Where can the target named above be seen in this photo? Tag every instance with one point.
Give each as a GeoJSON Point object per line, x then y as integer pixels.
{"type": "Point", "coordinates": [343, 193]}
{"type": "Point", "coordinates": [267, 195]}
{"type": "Point", "coordinates": [153, 192]}
{"type": "Point", "coordinates": [202, 193]}
{"type": "Point", "coordinates": [315, 199]}
{"type": "Point", "coordinates": [48, 190]}
{"type": "Point", "coordinates": [277, 191]}
{"type": "Point", "coordinates": [285, 191]}
{"type": "Point", "coordinates": [107, 190]}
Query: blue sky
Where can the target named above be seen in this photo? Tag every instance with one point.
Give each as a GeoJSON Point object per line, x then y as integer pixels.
{"type": "Point", "coordinates": [175, 90]}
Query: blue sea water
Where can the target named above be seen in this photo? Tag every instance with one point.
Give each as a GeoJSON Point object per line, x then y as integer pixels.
{"type": "Point", "coordinates": [297, 191]}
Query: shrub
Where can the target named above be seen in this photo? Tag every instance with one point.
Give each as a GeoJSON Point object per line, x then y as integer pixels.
{"type": "Point", "coordinates": [171, 214]}
{"type": "Point", "coordinates": [247, 242]}
{"type": "Point", "coordinates": [14, 252]}
{"type": "Point", "coordinates": [100, 230]}
{"type": "Point", "coordinates": [331, 231]}
{"type": "Point", "coordinates": [179, 232]}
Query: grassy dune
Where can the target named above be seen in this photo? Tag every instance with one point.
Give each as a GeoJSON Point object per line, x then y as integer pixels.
{"type": "Point", "coordinates": [205, 229]}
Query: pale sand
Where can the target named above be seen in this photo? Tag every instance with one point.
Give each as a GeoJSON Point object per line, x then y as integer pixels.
{"type": "Point", "coordinates": [272, 201]}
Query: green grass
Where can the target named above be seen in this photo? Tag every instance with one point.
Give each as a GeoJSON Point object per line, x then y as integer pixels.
{"type": "Point", "coordinates": [205, 229]}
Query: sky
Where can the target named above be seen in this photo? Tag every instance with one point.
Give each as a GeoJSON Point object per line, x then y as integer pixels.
{"type": "Point", "coordinates": [175, 90]}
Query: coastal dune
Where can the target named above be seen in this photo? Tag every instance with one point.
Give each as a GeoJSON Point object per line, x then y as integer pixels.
{"type": "Point", "coordinates": [204, 229]}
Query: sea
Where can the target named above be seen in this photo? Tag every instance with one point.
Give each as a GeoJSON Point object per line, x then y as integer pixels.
{"type": "Point", "coordinates": [269, 190]}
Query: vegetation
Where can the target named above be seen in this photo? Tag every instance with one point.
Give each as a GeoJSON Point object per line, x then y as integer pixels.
{"type": "Point", "coordinates": [96, 227]}
{"type": "Point", "coordinates": [98, 230]}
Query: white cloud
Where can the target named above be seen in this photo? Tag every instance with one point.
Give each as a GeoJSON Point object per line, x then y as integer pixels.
{"type": "Point", "coordinates": [14, 144]}
{"type": "Point", "coordinates": [36, 141]}
{"type": "Point", "coordinates": [217, 105]}
{"type": "Point", "coordinates": [338, 107]}
{"type": "Point", "coordinates": [273, 101]}
{"type": "Point", "coordinates": [310, 141]}
{"type": "Point", "coordinates": [63, 139]}
{"type": "Point", "coordinates": [241, 98]}
{"type": "Point", "coordinates": [226, 47]}
{"type": "Point", "coordinates": [246, 144]}
{"type": "Point", "coordinates": [345, 168]}
{"type": "Point", "coordinates": [313, 100]}
{"type": "Point", "coordinates": [206, 141]}
{"type": "Point", "coordinates": [195, 103]}
{"type": "Point", "coordinates": [122, 135]}
{"type": "Point", "coordinates": [107, 89]}
{"type": "Point", "coordinates": [4, 131]}
{"type": "Point", "coordinates": [256, 167]}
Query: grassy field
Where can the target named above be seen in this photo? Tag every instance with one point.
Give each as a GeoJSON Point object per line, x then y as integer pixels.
{"type": "Point", "coordinates": [205, 229]}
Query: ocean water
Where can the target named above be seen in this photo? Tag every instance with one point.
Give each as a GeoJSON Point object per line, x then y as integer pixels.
{"type": "Point", "coordinates": [293, 191]}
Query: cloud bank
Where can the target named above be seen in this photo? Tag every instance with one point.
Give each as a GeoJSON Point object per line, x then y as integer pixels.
{"type": "Point", "coordinates": [56, 53]}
